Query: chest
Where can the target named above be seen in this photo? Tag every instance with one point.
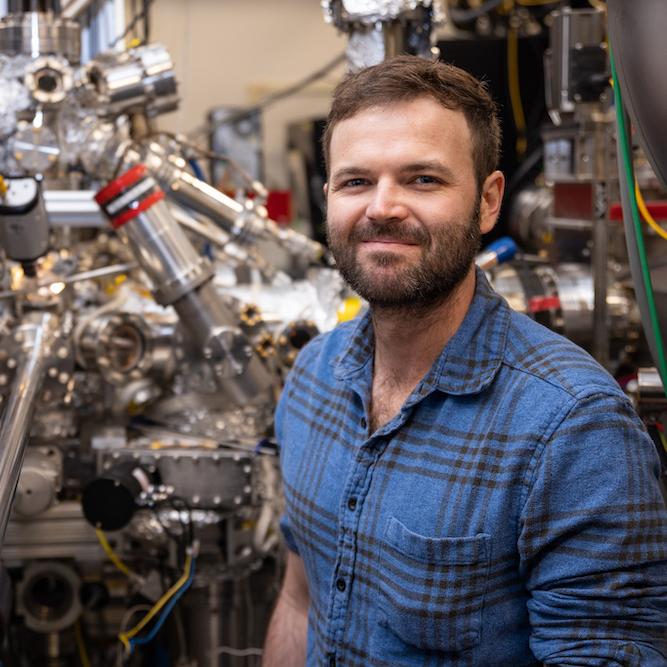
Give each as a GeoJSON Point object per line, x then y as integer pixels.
{"type": "Point", "coordinates": [387, 398]}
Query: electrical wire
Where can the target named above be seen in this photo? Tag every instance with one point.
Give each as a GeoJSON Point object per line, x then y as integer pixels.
{"type": "Point", "coordinates": [279, 95]}
{"type": "Point", "coordinates": [111, 554]}
{"type": "Point", "coordinates": [663, 439]}
{"type": "Point", "coordinates": [167, 610]}
{"type": "Point", "coordinates": [80, 645]}
{"type": "Point", "coordinates": [514, 84]}
{"type": "Point", "coordinates": [125, 637]}
{"type": "Point", "coordinates": [252, 183]}
{"type": "Point", "coordinates": [634, 236]}
{"type": "Point", "coordinates": [127, 616]}
{"type": "Point", "coordinates": [646, 214]}
{"type": "Point", "coordinates": [197, 170]}
{"type": "Point", "coordinates": [142, 15]}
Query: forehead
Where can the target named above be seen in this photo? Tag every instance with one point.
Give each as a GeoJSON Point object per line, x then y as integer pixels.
{"type": "Point", "coordinates": [421, 128]}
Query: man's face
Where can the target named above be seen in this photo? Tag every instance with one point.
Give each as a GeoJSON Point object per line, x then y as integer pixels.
{"type": "Point", "coordinates": [403, 207]}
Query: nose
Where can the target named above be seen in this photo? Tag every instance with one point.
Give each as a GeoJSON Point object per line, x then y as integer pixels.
{"type": "Point", "coordinates": [386, 203]}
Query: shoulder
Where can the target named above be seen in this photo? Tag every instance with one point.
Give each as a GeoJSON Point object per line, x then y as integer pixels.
{"type": "Point", "coordinates": [554, 363]}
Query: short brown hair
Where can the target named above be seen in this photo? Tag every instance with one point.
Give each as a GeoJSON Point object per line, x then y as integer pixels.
{"type": "Point", "coordinates": [404, 78]}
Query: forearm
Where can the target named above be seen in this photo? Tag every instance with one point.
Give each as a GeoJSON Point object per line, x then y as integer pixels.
{"type": "Point", "coordinates": [285, 644]}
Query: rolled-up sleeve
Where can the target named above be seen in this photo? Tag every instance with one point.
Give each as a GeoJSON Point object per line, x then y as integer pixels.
{"type": "Point", "coordinates": [593, 540]}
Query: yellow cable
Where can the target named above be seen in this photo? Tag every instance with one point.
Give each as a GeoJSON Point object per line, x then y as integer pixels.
{"type": "Point", "coordinates": [646, 214]}
{"type": "Point", "coordinates": [113, 556]}
{"type": "Point", "coordinates": [515, 89]}
{"type": "Point", "coordinates": [125, 637]}
{"type": "Point", "coordinates": [81, 647]}
{"type": "Point", "coordinates": [663, 440]}
{"type": "Point", "coordinates": [3, 187]}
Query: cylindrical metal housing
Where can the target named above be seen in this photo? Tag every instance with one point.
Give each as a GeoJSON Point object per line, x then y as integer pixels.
{"type": "Point", "coordinates": [36, 337]}
{"type": "Point", "coordinates": [181, 278]}
{"type": "Point", "coordinates": [244, 225]}
{"type": "Point", "coordinates": [162, 248]}
{"type": "Point", "coordinates": [141, 79]}
{"type": "Point", "coordinates": [37, 34]}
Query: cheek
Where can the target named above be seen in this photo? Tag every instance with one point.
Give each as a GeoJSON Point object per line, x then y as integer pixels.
{"type": "Point", "coordinates": [342, 215]}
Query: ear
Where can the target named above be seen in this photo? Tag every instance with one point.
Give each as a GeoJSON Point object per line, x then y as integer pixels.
{"type": "Point", "coordinates": [492, 198]}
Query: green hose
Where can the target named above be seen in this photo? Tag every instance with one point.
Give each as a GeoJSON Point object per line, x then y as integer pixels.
{"type": "Point", "coordinates": [626, 154]}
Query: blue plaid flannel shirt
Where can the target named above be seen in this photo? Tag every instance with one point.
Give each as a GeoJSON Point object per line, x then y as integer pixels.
{"type": "Point", "coordinates": [510, 513]}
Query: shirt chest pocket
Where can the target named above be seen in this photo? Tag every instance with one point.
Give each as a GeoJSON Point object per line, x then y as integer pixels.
{"type": "Point", "coordinates": [432, 589]}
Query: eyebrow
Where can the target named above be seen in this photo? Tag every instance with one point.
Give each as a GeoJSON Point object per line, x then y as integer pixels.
{"type": "Point", "coordinates": [346, 172]}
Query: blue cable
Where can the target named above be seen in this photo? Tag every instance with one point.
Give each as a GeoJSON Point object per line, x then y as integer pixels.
{"type": "Point", "coordinates": [165, 612]}
{"type": "Point", "coordinates": [194, 165]}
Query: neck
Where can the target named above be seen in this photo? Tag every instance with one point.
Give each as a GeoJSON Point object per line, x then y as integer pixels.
{"type": "Point", "coordinates": [408, 340]}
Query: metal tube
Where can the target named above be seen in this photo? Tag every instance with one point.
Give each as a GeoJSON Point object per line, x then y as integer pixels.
{"type": "Point", "coordinates": [36, 338]}
{"type": "Point", "coordinates": [214, 328]}
{"type": "Point", "coordinates": [102, 272]}
{"type": "Point", "coordinates": [181, 278]}
{"type": "Point", "coordinates": [244, 225]}
{"type": "Point", "coordinates": [600, 257]}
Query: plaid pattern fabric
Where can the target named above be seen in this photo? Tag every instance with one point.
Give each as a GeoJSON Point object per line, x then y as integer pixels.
{"type": "Point", "coordinates": [508, 515]}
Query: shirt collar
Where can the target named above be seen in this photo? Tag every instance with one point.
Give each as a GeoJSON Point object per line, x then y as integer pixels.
{"type": "Point", "coordinates": [469, 361]}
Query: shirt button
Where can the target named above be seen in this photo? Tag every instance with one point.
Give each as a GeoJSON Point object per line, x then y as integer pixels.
{"type": "Point", "coordinates": [363, 423]}
{"type": "Point", "coordinates": [332, 661]}
{"type": "Point", "coordinates": [352, 504]}
{"type": "Point", "coordinates": [340, 584]}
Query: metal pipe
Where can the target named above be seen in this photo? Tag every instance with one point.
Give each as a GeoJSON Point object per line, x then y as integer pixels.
{"type": "Point", "coordinates": [245, 225]}
{"type": "Point", "coordinates": [600, 256]}
{"type": "Point", "coordinates": [102, 272]}
{"type": "Point", "coordinates": [220, 238]}
{"type": "Point", "coordinates": [182, 278]}
{"type": "Point", "coordinates": [35, 337]}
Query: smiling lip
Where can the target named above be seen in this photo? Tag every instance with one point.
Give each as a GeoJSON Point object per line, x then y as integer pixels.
{"type": "Point", "coordinates": [386, 242]}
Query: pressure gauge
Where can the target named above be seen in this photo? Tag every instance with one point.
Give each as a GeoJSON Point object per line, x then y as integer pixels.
{"type": "Point", "coordinates": [22, 195]}
{"type": "Point", "coordinates": [24, 225]}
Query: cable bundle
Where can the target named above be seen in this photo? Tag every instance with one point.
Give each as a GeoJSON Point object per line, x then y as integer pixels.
{"type": "Point", "coordinates": [165, 604]}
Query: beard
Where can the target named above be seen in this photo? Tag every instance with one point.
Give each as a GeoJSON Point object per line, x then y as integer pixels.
{"type": "Point", "coordinates": [447, 253]}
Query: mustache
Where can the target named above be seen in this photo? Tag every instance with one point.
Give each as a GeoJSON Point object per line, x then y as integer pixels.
{"type": "Point", "coordinates": [390, 231]}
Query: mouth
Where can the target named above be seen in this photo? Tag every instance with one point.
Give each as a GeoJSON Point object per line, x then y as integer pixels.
{"type": "Point", "coordinates": [387, 244]}
{"type": "Point", "coordinates": [388, 241]}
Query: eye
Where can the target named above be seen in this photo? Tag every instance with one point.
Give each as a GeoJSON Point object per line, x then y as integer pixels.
{"type": "Point", "coordinates": [354, 183]}
{"type": "Point", "coordinates": [426, 180]}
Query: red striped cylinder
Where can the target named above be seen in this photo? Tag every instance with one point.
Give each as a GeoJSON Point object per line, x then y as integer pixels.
{"type": "Point", "coordinates": [132, 193]}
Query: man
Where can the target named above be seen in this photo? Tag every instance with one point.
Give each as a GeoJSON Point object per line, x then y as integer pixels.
{"type": "Point", "coordinates": [462, 486]}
